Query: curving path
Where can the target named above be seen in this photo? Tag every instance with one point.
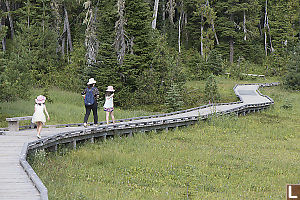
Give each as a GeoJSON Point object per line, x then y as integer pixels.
{"type": "Point", "coordinates": [15, 183]}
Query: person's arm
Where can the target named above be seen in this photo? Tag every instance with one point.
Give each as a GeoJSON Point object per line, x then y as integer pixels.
{"type": "Point", "coordinates": [96, 93]}
{"type": "Point", "coordinates": [110, 96]}
{"type": "Point", "coordinates": [47, 113]}
{"type": "Point", "coordinates": [83, 93]}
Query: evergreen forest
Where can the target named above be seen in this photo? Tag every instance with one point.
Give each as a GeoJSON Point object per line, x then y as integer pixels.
{"type": "Point", "coordinates": [146, 49]}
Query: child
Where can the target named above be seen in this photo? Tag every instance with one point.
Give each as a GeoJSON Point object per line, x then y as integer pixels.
{"type": "Point", "coordinates": [109, 103]}
{"type": "Point", "coordinates": [39, 116]}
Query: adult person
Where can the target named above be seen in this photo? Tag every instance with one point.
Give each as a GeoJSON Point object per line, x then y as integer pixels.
{"type": "Point", "coordinates": [90, 95]}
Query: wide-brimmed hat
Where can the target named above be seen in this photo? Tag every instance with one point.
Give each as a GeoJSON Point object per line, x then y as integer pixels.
{"type": "Point", "coordinates": [110, 89]}
{"type": "Point", "coordinates": [91, 81]}
{"type": "Point", "coordinates": [40, 99]}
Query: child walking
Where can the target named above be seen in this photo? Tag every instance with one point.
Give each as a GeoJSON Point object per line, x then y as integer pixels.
{"type": "Point", "coordinates": [109, 103]}
{"type": "Point", "coordinates": [39, 116]}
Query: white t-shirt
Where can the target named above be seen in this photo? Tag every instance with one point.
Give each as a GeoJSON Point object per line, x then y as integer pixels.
{"type": "Point", "coordinates": [109, 102]}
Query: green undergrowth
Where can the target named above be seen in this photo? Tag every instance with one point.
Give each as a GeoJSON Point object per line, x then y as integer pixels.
{"type": "Point", "coordinates": [248, 157]}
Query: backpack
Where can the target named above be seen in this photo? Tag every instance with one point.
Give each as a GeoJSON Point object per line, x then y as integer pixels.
{"type": "Point", "coordinates": [89, 97]}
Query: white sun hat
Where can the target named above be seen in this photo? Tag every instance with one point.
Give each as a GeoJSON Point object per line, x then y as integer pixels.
{"type": "Point", "coordinates": [110, 89]}
{"type": "Point", "coordinates": [40, 99]}
{"type": "Point", "coordinates": [91, 81]}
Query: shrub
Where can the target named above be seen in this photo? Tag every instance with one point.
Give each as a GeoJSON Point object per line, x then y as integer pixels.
{"type": "Point", "coordinates": [292, 79]}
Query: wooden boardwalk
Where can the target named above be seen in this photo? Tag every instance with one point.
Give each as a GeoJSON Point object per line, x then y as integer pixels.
{"type": "Point", "coordinates": [14, 181]}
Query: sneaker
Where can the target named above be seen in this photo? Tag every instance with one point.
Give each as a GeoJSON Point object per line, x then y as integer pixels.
{"type": "Point", "coordinates": [38, 136]}
{"type": "Point", "coordinates": [85, 125]}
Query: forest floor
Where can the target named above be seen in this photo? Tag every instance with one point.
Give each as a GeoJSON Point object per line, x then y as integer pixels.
{"type": "Point", "coordinates": [249, 157]}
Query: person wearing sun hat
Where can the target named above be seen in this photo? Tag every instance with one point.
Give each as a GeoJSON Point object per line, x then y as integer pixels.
{"type": "Point", "coordinates": [38, 116]}
{"type": "Point", "coordinates": [109, 103]}
{"type": "Point", "coordinates": [90, 95]}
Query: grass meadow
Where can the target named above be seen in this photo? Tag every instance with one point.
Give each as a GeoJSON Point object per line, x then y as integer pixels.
{"type": "Point", "coordinates": [247, 157]}
{"type": "Point", "coordinates": [66, 107]}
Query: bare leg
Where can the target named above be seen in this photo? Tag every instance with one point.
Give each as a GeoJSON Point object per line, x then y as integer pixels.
{"type": "Point", "coordinates": [112, 116]}
{"type": "Point", "coordinates": [39, 128]}
{"type": "Point", "coordinates": [107, 117]}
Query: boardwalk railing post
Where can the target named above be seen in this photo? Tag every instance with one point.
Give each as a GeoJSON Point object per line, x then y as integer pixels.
{"type": "Point", "coordinates": [74, 144]}
{"type": "Point", "coordinates": [130, 134]}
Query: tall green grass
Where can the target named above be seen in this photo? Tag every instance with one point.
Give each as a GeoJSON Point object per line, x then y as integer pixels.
{"type": "Point", "coordinates": [251, 157]}
{"type": "Point", "coordinates": [66, 107]}
{"type": "Point", "coordinates": [225, 88]}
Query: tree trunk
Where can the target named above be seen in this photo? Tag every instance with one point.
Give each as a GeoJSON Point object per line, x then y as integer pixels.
{"type": "Point", "coordinates": [63, 40]}
{"type": "Point", "coordinates": [28, 14]}
{"type": "Point", "coordinates": [120, 41]}
{"type": "Point", "coordinates": [164, 10]}
{"type": "Point", "coordinates": [231, 45]}
{"type": "Point", "coordinates": [231, 50]}
{"type": "Point", "coordinates": [55, 13]}
{"type": "Point", "coordinates": [171, 10]}
{"type": "Point", "coordinates": [10, 20]}
{"type": "Point", "coordinates": [201, 37]}
{"type": "Point", "coordinates": [155, 10]}
{"type": "Point", "coordinates": [260, 29]}
{"type": "Point", "coordinates": [265, 28]}
{"type": "Point", "coordinates": [271, 46]}
{"type": "Point", "coordinates": [69, 40]}
{"type": "Point", "coordinates": [164, 15]}
{"type": "Point", "coordinates": [244, 26]}
{"type": "Point", "coordinates": [43, 23]}
{"type": "Point", "coordinates": [186, 33]}
{"type": "Point", "coordinates": [3, 44]}
{"type": "Point", "coordinates": [3, 40]}
{"type": "Point", "coordinates": [179, 32]}
{"type": "Point", "coordinates": [213, 26]}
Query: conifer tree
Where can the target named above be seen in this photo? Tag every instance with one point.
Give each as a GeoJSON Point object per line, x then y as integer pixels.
{"type": "Point", "coordinates": [105, 69]}
{"type": "Point", "coordinates": [205, 15]}
{"type": "Point", "coordinates": [227, 24]}
{"type": "Point", "coordinates": [138, 15]}
{"type": "Point", "coordinates": [211, 90]}
{"type": "Point", "coordinates": [282, 15]}
{"type": "Point", "coordinates": [140, 47]}
{"type": "Point", "coordinates": [34, 49]}
{"type": "Point", "coordinates": [236, 25]}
